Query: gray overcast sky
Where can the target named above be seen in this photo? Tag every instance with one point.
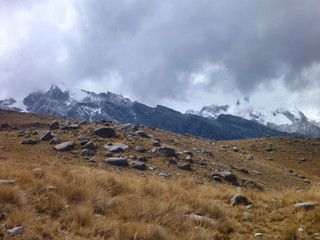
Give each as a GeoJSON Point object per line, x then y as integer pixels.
{"type": "Point", "coordinates": [179, 53]}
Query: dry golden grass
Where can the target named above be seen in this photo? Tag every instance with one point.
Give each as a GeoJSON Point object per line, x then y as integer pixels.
{"type": "Point", "coordinates": [60, 196]}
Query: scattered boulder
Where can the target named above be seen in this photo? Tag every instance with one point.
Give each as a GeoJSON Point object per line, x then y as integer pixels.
{"type": "Point", "coordinates": [228, 176]}
{"type": "Point", "coordinates": [184, 166]}
{"type": "Point", "coordinates": [121, 162]}
{"type": "Point", "coordinates": [142, 134]}
{"type": "Point", "coordinates": [138, 165]}
{"type": "Point", "coordinates": [87, 152]}
{"type": "Point", "coordinates": [128, 127]}
{"type": "Point", "coordinates": [305, 205]}
{"type": "Point", "coordinates": [46, 136]}
{"type": "Point", "coordinates": [140, 149]}
{"type": "Point", "coordinates": [54, 125]}
{"type": "Point", "coordinates": [89, 145]}
{"type": "Point", "coordinates": [65, 146]}
{"type": "Point", "coordinates": [239, 199]}
{"type": "Point", "coordinates": [116, 147]}
{"type": "Point", "coordinates": [70, 127]}
{"type": "Point", "coordinates": [29, 141]}
{"type": "Point", "coordinates": [104, 132]}
{"type": "Point", "coordinates": [166, 151]}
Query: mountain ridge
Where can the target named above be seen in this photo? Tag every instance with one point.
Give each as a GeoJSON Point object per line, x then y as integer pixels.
{"type": "Point", "coordinates": [114, 107]}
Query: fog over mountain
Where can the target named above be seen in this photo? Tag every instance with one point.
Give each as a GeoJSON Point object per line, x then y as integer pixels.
{"type": "Point", "coordinates": [182, 54]}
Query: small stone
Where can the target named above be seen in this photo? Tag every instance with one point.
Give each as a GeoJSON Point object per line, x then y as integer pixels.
{"type": "Point", "coordinates": [244, 170]}
{"type": "Point", "coordinates": [46, 136]}
{"type": "Point", "coordinates": [37, 169]}
{"type": "Point", "coordinates": [142, 159]}
{"type": "Point", "coordinates": [87, 152]}
{"type": "Point", "coordinates": [258, 235]}
{"type": "Point", "coordinates": [122, 162]}
{"type": "Point", "coordinates": [173, 161]}
{"type": "Point", "coordinates": [7, 181]}
{"type": "Point", "coordinates": [54, 125]}
{"type": "Point", "coordinates": [239, 199]}
{"type": "Point", "coordinates": [66, 146]}
{"type": "Point", "coordinates": [235, 149]}
{"type": "Point", "coordinates": [70, 127]}
{"type": "Point", "coordinates": [217, 178]}
{"type": "Point", "coordinates": [250, 157]}
{"type": "Point", "coordinates": [138, 165]}
{"type": "Point", "coordinates": [92, 160]}
{"type": "Point", "coordinates": [108, 154]}
{"type": "Point", "coordinates": [89, 145]}
{"type": "Point", "coordinates": [302, 160]}
{"type": "Point", "coordinates": [305, 205]}
{"type": "Point", "coordinates": [15, 231]}
{"type": "Point", "coordinates": [29, 141]}
{"type": "Point", "coordinates": [140, 149]}
{"type": "Point", "coordinates": [189, 159]}
{"type": "Point", "coordinates": [54, 141]}
{"type": "Point", "coordinates": [142, 134]}
{"type": "Point", "coordinates": [185, 166]}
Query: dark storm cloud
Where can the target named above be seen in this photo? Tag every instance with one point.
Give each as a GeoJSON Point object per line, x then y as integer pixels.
{"type": "Point", "coordinates": [157, 47]}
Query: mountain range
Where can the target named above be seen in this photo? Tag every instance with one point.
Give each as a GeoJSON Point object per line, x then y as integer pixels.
{"type": "Point", "coordinates": [212, 122]}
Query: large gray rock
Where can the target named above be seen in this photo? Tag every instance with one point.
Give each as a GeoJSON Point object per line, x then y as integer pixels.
{"type": "Point", "coordinates": [138, 165]}
{"type": "Point", "coordinates": [116, 147]}
{"type": "Point", "coordinates": [166, 151]}
{"type": "Point", "coordinates": [128, 127]}
{"type": "Point", "coordinates": [239, 199]}
{"type": "Point", "coordinates": [122, 162]}
{"type": "Point", "coordinates": [65, 146]}
{"type": "Point", "coordinates": [104, 132]}
{"type": "Point", "coordinates": [305, 205]}
{"type": "Point", "coordinates": [54, 125]}
{"type": "Point", "coordinates": [46, 136]}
